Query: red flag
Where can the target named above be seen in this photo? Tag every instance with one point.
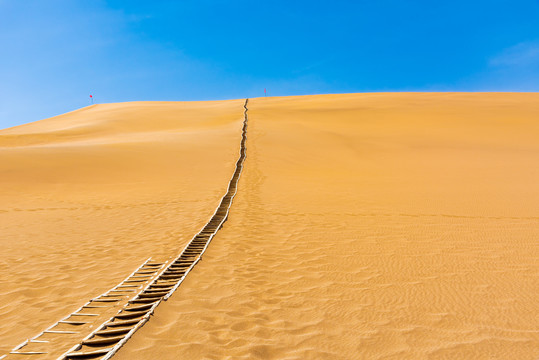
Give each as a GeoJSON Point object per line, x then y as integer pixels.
{"type": "Point", "coordinates": [91, 96]}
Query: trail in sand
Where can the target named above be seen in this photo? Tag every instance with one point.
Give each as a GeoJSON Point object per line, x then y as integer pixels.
{"type": "Point", "coordinates": [370, 226]}
{"type": "Point", "coordinates": [89, 195]}
{"type": "Point", "coordinates": [395, 226]}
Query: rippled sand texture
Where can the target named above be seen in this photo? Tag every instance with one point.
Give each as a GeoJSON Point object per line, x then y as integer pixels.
{"type": "Point", "coordinates": [370, 226]}
{"type": "Point", "coordinates": [88, 196]}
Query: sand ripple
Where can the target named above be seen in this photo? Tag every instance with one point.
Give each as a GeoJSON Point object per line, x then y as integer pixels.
{"type": "Point", "coordinates": [376, 226]}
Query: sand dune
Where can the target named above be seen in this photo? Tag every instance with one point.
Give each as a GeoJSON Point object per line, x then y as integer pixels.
{"type": "Point", "coordinates": [369, 226]}
{"type": "Point", "coordinates": [394, 226]}
{"type": "Point", "coordinates": [88, 196]}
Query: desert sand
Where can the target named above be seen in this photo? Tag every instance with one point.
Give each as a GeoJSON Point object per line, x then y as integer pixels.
{"type": "Point", "coordinates": [88, 196]}
{"type": "Point", "coordinates": [366, 226]}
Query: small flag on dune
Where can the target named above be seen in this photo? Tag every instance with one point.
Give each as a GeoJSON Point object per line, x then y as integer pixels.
{"type": "Point", "coordinates": [264, 91]}
{"type": "Point", "coordinates": [92, 98]}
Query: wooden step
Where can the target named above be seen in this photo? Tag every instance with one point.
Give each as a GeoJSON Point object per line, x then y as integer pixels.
{"type": "Point", "coordinates": [111, 332]}
{"type": "Point", "coordinates": [122, 323]}
{"type": "Point", "coordinates": [70, 322]}
{"type": "Point", "coordinates": [152, 295]}
{"type": "Point", "coordinates": [105, 300]}
{"type": "Point", "coordinates": [138, 307]}
{"type": "Point", "coordinates": [99, 341]}
{"type": "Point", "coordinates": [173, 276]}
{"type": "Point", "coordinates": [59, 332]}
{"type": "Point", "coordinates": [158, 290]}
{"type": "Point", "coordinates": [161, 286]}
{"type": "Point", "coordinates": [88, 354]}
{"type": "Point", "coordinates": [130, 314]}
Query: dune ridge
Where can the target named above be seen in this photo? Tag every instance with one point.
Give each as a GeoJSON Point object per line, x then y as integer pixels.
{"type": "Point", "coordinates": [80, 210]}
{"type": "Point", "coordinates": [370, 226]}
{"type": "Point", "coordinates": [161, 280]}
{"type": "Point", "coordinates": [366, 226]}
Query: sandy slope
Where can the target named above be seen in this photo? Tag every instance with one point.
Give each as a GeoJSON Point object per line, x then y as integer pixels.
{"type": "Point", "coordinates": [394, 226]}
{"type": "Point", "coordinates": [88, 196]}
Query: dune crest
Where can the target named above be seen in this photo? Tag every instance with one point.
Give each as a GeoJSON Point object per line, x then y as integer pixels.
{"type": "Point", "coordinates": [88, 196]}
{"type": "Point", "coordinates": [365, 226]}
{"type": "Point", "coordinates": [370, 226]}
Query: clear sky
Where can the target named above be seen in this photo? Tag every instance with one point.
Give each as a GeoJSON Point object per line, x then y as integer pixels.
{"type": "Point", "coordinates": [55, 53]}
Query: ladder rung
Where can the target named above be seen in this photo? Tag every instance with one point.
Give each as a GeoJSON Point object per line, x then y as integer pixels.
{"type": "Point", "coordinates": [82, 314]}
{"type": "Point", "coordinates": [73, 322]}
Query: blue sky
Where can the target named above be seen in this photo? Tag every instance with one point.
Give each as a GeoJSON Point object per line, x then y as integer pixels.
{"type": "Point", "coordinates": [54, 53]}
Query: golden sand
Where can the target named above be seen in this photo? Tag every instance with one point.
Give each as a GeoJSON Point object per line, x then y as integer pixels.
{"type": "Point", "coordinates": [88, 196]}
{"type": "Point", "coordinates": [368, 226]}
